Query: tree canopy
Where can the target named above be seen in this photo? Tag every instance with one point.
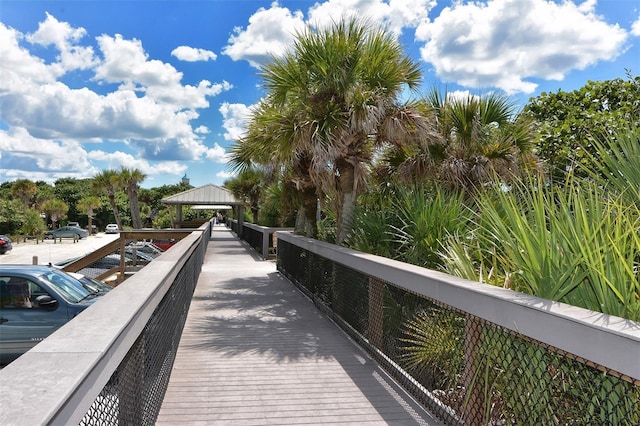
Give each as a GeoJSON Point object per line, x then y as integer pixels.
{"type": "Point", "coordinates": [568, 122]}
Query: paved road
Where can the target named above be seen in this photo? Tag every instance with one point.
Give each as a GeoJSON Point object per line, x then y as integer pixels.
{"type": "Point", "coordinates": [47, 251]}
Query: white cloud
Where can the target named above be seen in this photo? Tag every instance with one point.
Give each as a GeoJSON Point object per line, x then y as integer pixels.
{"type": "Point", "coordinates": [235, 120]}
{"type": "Point", "coordinates": [151, 110]}
{"type": "Point", "coordinates": [126, 61]}
{"type": "Point", "coordinates": [119, 159]}
{"type": "Point", "coordinates": [64, 38]}
{"type": "Point", "coordinates": [635, 27]}
{"type": "Point", "coordinates": [270, 32]}
{"type": "Point", "coordinates": [25, 156]}
{"type": "Point", "coordinates": [217, 154]}
{"type": "Point", "coordinates": [225, 175]}
{"type": "Point", "coordinates": [396, 14]}
{"type": "Point", "coordinates": [149, 115]}
{"type": "Point", "coordinates": [191, 54]}
{"type": "Point", "coordinates": [18, 65]}
{"type": "Point", "coordinates": [503, 43]}
{"type": "Point", "coordinates": [461, 96]}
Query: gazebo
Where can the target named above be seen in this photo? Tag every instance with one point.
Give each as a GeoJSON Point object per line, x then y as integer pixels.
{"type": "Point", "coordinates": [205, 197]}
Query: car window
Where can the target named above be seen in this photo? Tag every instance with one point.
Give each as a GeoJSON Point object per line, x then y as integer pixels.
{"type": "Point", "coordinates": [15, 293]}
{"type": "Point", "coordinates": [36, 290]}
{"type": "Point", "coordinates": [70, 288]}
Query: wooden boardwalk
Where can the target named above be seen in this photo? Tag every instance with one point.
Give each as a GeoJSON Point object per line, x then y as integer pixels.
{"type": "Point", "coordinates": [255, 351]}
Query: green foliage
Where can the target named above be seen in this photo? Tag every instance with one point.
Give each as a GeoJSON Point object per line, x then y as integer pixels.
{"type": "Point", "coordinates": [55, 209]}
{"type": "Point", "coordinates": [567, 120]}
{"type": "Point", "coordinates": [24, 190]}
{"type": "Point", "coordinates": [249, 186]}
{"type": "Point", "coordinates": [570, 244]}
{"type": "Point", "coordinates": [70, 191]}
{"type": "Point", "coordinates": [33, 224]}
{"type": "Point", "coordinates": [373, 220]}
{"type": "Point", "coordinates": [473, 141]}
{"type": "Point", "coordinates": [615, 164]}
{"type": "Point", "coordinates": [162, 219]}
{"type": "Point", "coordinates": [11, 216]}
{"type": "Point", "coordinates": [409, 223]}
{"type": "Point", "coordinates": [426, 217]}
{"type": "Point", "coordinates": [153, 196]}
{"type": "Point", "coordinates": [433, 347]}
{"type": "Point", "coordinates": [279, 206]}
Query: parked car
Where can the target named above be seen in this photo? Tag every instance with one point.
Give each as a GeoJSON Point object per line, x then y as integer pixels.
{"type": "Point", "coordinates": [66, 232]}
{"type": "Point", "coordinates": [146, 247]}
{"type": "Point", "coordinates": [76, 224]}
{"type": "Point", "coordinates": [164, 244]}
{"type": "Point", "coordinates": [91, 284]}
{"type": "Point", "coordinates": [5, 244]}
{"type": "Point", "coordinates": [94, 229]}
{"type": "Point", "coordinates": [36, 300]}
{"type": "Point", "coordinates": [112, 228]}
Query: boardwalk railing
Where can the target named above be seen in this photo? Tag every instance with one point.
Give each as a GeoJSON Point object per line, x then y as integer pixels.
{"type": "Point", "coordinates": [473, 353]}
{"type": "Point", "coordinates": [260, 238]}
{"type": "Point", "coordinates": [111, 364]}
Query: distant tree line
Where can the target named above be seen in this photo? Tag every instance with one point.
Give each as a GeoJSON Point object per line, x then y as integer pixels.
{"type": "Point", "coordinates": [112, 196]}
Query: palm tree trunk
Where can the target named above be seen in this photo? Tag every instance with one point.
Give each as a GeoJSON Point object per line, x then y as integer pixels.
{"type": "Point", "coordinates": [135, 208]}
{"type": "Point", "coordinates": [347, 198]}
{"type": "Point", "coordinates": [306, 223]}
{"type": "Point", "coordinates": [116, 213]}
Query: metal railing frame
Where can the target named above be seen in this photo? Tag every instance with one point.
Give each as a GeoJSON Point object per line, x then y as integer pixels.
{"type": "Point", "coordinates": [608, 341]}
{"type": "Point", "coordinates": [266, 240]}
{"type": "Point", "coordinates": [58, 380]}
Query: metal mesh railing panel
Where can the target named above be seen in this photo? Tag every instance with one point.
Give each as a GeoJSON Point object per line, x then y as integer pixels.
{"type": "Point", "coordinates": [134, 393]}
{"type": "Point", "coordinates": [253, 238]}
{"type": "Point", "coordinates": [464, 369]}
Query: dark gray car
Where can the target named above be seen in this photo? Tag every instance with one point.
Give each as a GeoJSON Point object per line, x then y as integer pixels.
{"type": "Point", "coordinates": [34, 302]}
{"type": "Point", "coordinates": [66, 232]}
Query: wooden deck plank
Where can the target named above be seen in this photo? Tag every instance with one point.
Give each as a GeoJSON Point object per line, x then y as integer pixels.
{"type": "Point", "coordinates": [255, 351]}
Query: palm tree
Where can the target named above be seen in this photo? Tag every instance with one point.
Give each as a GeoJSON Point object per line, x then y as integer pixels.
{"type": "Point", "coordinates": [483, 137]}
{"type": "Point", "coordinates": [478, 139]}
{"type": "Point", "coordinates": [130, 180]}
{"type": "Point", "coordinates": [107, 182]}
{"type": "Point", "coordinates": [275, 136]}
{"type": "Point", "coordinates": [56, 209]}
{"type": "Point", "coordinates": [88, 204]}
{"type": "Point", "coordinates": [24, 190]}
{"type": "Point", "coordinates": [339, 85]}
{"type": "Point", "coordinates": [249, 186]}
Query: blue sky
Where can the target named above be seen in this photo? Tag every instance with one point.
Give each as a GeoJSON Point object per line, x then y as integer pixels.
{"type": "Point", "coordinates": [167, 86]}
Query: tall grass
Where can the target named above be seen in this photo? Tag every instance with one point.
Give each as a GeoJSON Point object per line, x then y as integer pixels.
{"type": "Point", "coordinates": [577, 243]}
{"type": "Point", "coordinates": [410, 224]}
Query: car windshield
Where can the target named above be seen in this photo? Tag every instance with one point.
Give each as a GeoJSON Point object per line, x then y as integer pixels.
{"type": "Point", "coordinates": [70, 288]}
{"type": "Point", "coordinates": [95, 285]}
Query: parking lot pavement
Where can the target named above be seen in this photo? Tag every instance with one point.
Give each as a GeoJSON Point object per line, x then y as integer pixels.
{"type": "Point", "coordinates": [49, 252]}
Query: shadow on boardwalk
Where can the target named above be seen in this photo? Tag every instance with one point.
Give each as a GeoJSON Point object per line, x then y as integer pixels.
{"type": "Point", "coordinates": [255, 351]}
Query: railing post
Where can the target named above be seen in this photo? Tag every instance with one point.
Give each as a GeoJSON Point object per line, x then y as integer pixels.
{"type": "Point", "coordinates": [265, 243]}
